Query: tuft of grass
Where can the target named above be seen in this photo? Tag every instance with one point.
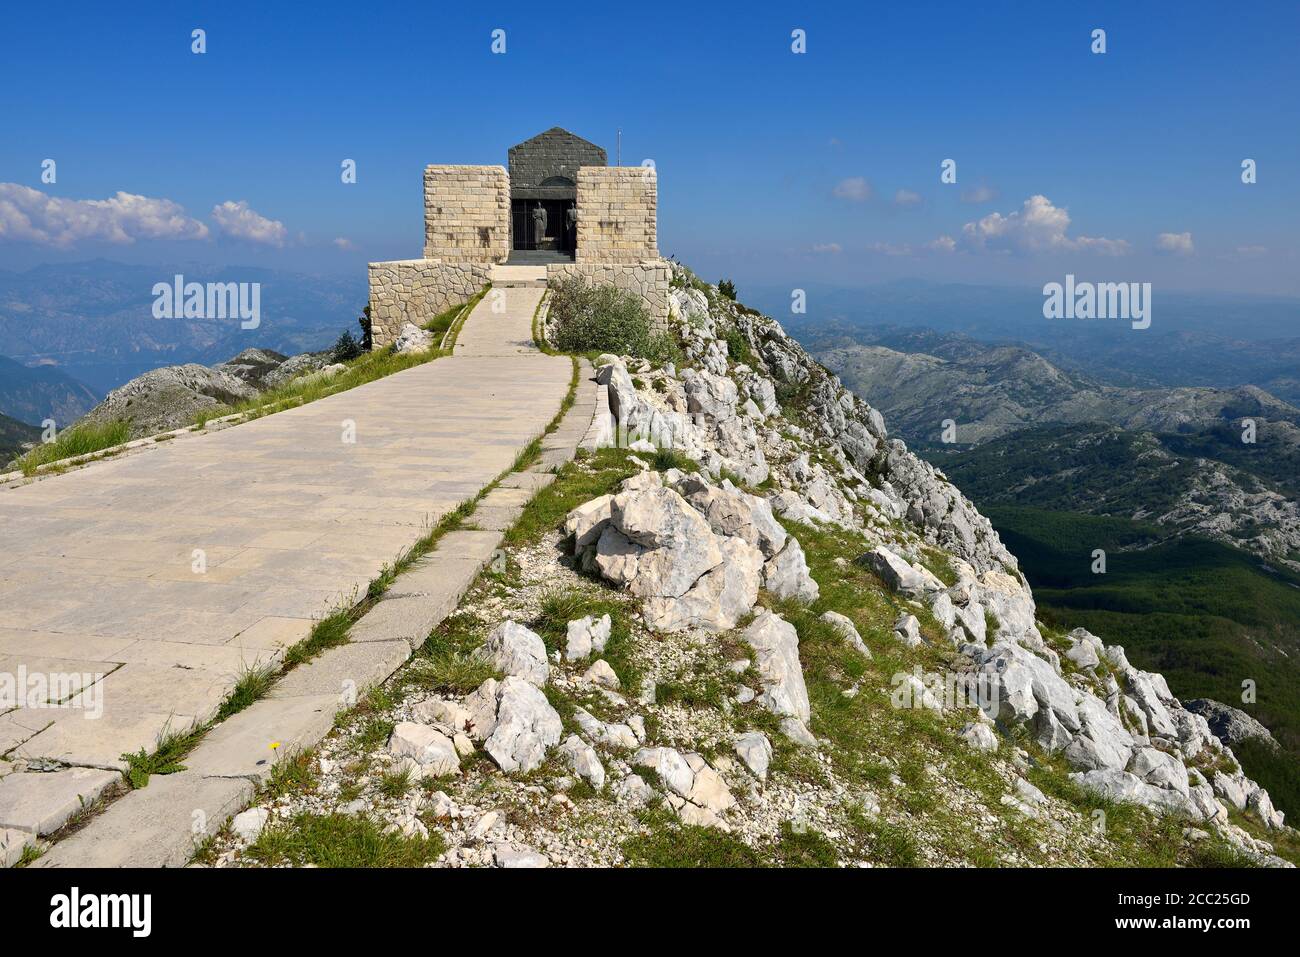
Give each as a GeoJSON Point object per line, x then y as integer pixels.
{"type": "Point", "coordinates": [78, 440]}
{"type": "Point", "coordinates": [254, 683]}
{"type": "Point", "coordinates": [330, 632]}
{"type": "Point", "coordinates": [454, 672]}
{"type": "Point", "coordinates": [396, 784]}
{"type": "Point", "coordinates": [341, 840]}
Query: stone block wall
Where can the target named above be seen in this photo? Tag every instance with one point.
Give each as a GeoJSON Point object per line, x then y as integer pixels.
{"type": "Point", "coordinates": [417, 290]}
{"type": "Point", "coordinates": [648, 279]}
{"type": "Point", "coordinates": [467, 213]}
{"type": "Point", "coordinates": [616, 214]}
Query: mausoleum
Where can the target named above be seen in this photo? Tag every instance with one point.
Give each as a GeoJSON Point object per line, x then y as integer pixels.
{"type": "Point", "coordinates": [558, 210]}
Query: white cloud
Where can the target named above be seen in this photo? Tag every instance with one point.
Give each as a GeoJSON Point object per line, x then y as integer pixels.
{"type": "Point", "coordinates": [1252, 252]}
{"type": "Point", "coordinates": [980, 194]}
{"type": "Point", "coordinates": [855, 189]}
{"type": "Point", "coordinates": [1180, 244]}
{"type": "Point", "coordinates": [238, 221]}
{"type": "Point", "coordinates": [944, 244]}
{"type": "Point", "coordinates": [28, 215]}
{"type": "Point", "coordinates": [891, 249]}
{"type": "Point", "coordinates": [343, 243]}
{"type": "Point", "coordinates": [1037, 227]}
{"type": "Point", "coordinates": [905, 198]}
{"type": "Point", "coordinates": [831, 248]}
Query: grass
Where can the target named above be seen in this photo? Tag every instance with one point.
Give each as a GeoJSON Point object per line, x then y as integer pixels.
{"type": "Point", "coordinates": [681, 846]}
{"type": "Point", "coordinates": [804, 847]}
{"type": "Point", "coordinates": [253, 683]}
{"type": "Point", "coordinates": [75, 441]}
{"type": "Point", "coordinates": [340, 840]}
{"type": "Point", "coordinates": [396, 784]}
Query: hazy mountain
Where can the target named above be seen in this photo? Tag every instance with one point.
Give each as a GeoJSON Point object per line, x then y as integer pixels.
{"type": "Point", "coordinates": [991, 391]}
{"type": "Point", "coordinates": [95, 319]}
{"type": "Point", "coordinates": [1145, 477]}
{"type": "Point", "coordinates": [1216, 340]}
{"type": "Point", "coordinates": [33, 394]}
{"type": "Point", "coordinates": [12, 436]}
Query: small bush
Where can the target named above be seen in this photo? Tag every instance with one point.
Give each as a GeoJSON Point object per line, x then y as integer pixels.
{"type": "Point", "coordinates": [346, 348]}
{"type": "Point", "coordinates": [367, 338]}
{"type": "Point", "coordinates": [727, 289]}
{"type": "Point", "coordinates": [604, 319]}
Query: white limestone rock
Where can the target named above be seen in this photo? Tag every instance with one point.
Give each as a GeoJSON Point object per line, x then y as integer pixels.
{"type": "Point", "coordinates": [411, 338]}
{"type": "Point", "coordinates": [755, 751]}
{"type": "Point", "coordinates": [847, 631]}
{"type": "Point", "coordinates": [786, 575]}
{"type": "Point", "coordinates": [481, 710]}
{"type": "Point", "coordinates": [907, 629]}
{"type": "Point", "coordinates": [247, 825]}
{"type": "Point", "coordinates": [732, 513]}
{"type": "Point", "coordinates": [431, 749]}
{"type": "Point", "coordinates": [776, 658]}
{"type": "Point", "coordinates": [514, 650]}
{"type": "Point", "coordinates": [979, 736]}
{"type": "Point", "coordinates": [719, 599]}
{"type": "Point", "coordinates": [587, 636]}
{"type": "Point", "coordinates": [583, 760]}
{"type": "Point", "coordinates": [895, 571]}
{"type": "Point", "coordinates": [600, 673]}
{"type": "Point", "coordinates": [509, 856]}
{"type": "Point", "coordinates": [526, 727]}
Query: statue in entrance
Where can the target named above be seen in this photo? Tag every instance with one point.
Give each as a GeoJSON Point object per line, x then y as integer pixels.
{"type": "Point", "coordinates": [539, 225]}
{"type": "Point", "coordinates": [571, 225]}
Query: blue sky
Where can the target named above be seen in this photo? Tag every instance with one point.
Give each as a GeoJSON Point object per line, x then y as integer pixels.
{"type": "Point", "coordinates": [774, 167]}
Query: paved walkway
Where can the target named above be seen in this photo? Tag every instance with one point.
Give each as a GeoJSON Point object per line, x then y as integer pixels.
{"type": "Point", "coordinates": [149, 583]}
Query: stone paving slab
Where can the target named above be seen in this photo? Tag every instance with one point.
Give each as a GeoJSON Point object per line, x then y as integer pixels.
{"type": "Point", "coordinates": [242, 746]}
{"type": "Point", "coordinates": [12, 844]}
{"type": "Point", "coordinates": [347, 672]}
{"type": "Point", "coordinates": [159, 826]}
{"type": "Point", "coordinates": [42, 803]}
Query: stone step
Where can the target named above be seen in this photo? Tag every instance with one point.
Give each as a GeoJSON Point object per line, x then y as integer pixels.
{"type": "Point", "coordinates": [503, 275]}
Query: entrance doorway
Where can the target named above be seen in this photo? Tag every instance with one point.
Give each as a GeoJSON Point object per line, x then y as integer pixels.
{"type": "Point", "coordinates": [557, 233]}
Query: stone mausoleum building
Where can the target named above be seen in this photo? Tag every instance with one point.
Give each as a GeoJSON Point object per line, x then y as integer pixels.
{"type": "Point", "coordinates": [558, 210]}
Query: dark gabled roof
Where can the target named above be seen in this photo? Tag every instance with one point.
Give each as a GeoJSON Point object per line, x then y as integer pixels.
{"type": "Point", "coordinates": [557, 153]}
{"type": "Point", "coordinates": [557, 134]}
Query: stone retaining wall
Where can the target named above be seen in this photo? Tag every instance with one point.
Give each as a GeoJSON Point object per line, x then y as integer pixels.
{"type": "Point", "coordinates": [467, 213]}
{"type": "Point", "coordinates": [648, 279]}
{"type": "Point", "coordinates": [616, 214]}
{"type": "Point", "coordinates": [418, 290]}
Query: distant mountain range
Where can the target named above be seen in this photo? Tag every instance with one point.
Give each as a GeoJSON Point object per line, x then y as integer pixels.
{"type": "Point", "coordinates": [1029, 433]}
{"type": "Point", "coordinates": [33, 394]}
{"type": "Point", "coordinates": [94, 320]}
{"type": "Point", "coordinates": [990, 391]}
{"type": "Point", "coordinates": [13, 434]}
{"type": "Point", "coordinates": [1211, 339]}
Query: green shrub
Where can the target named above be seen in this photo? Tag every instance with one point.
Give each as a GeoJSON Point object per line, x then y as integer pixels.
{"type": "Point", "coordinates": [727, 289]}
{"type": "Point", "coordinates": [346, 348]}
{"type": "Point", "coordinates": [604, 319]}
{"type": "Point", "coordinates": [367, 338]}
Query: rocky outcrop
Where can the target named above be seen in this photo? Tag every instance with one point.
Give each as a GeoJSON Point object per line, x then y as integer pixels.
{"type": "Point", "coordinates": [1230, 725]}
{"type": "Point", "coordinates": [697, 549]}
{"type": "Point", "coordinates": [171, 397]}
